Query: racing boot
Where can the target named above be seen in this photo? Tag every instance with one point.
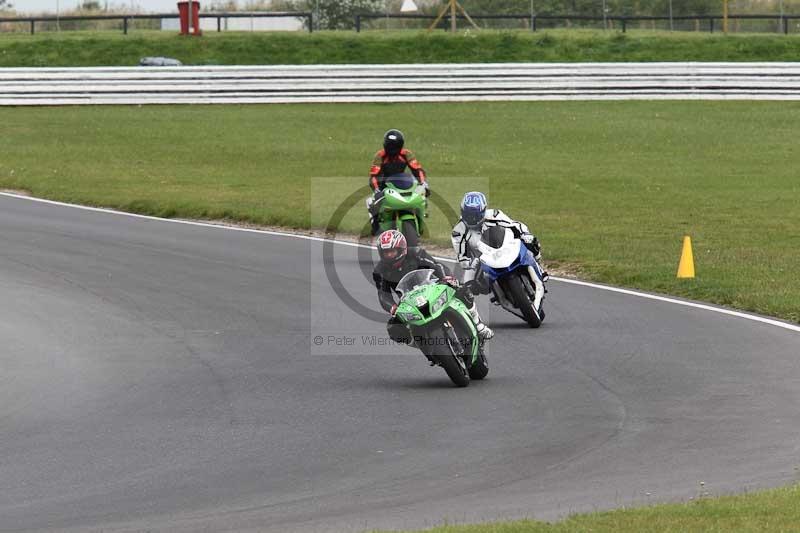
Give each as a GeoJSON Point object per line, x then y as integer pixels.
{"type": "Point", "coordinates": [484, 331]}
{"type": "Point", "coordinates": [373, 216]}
{"type": "Point", "coordinates": [532, 244]}
{"type": "Point", "coordinates": [545, 274]}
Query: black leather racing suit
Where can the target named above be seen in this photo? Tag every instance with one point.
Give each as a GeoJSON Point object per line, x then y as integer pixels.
{"type": "Point", "coordinates": [387, 277]}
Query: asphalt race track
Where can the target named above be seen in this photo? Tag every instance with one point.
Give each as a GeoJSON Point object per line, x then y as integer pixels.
{"type": "Point", "coordinates": [162, 376]}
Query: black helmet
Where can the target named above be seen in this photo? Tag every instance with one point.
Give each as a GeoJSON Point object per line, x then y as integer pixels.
{"type": "Point", "coordinates": [393, 142]}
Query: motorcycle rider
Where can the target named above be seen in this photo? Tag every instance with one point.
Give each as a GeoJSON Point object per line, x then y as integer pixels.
{"type": "Point", "coordinates": [476, 217]}
{"type": "Point", "coordinates": [396, 260]}
{"type": "Point", "coordinates": [391, 160]}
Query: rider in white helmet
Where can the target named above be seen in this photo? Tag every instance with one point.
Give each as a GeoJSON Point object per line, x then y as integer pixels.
{"type": "Point", "coordinates": [476, 217]}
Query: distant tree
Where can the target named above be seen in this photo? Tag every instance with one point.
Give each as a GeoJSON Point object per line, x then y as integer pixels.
{"type": "Point", "coordinates": [339, 15]}
{"type": "Point", "coordinates": [495, 7]}
{"type": "Point", "coordinates": [275, 5]}
{"type": "Point", "coordinates": [5, 5]}
{"type": "Point", "coordinates": [689, 7]}
{"type": "Point", "coordinates": [518, 7]}
{"type": "Point", "coordinates": [224, 6]}
{"type": "Point", "coordinates": [593, 7]}
{"type": "Point", "coordinates": [330, 14]}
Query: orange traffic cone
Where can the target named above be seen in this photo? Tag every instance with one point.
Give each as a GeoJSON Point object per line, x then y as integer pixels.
{"type": "Point", "coordinates": [686, 265]}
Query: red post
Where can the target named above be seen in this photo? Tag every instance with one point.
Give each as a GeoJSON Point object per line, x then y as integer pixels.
{"type": "Point", "coordinates": [189, 12]}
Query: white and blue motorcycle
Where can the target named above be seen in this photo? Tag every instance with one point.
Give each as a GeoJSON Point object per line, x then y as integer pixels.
{"type": "Point", "coordinates": [516, 277]}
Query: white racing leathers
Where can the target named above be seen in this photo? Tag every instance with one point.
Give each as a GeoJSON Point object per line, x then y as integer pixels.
{"type": "Point", "coordinates": [465, 240]}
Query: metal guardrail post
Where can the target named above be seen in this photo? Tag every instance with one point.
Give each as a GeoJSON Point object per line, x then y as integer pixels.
{"type": "Point", "coordinates": [533, 22]}
{"type": "Point", "coordinates": [33, 23]}
{"type": "Point", "coordinates": [310, 22]}
{"type": "Point", "coordinates": [785, 25]}
{"type": "Point", "coordinates": [624, 24]}
{"type": "Point", "coordinates": [358, 23]}
{"type": "Point", "coordinates": [711, 24]}
{"type": "Point", "coordinates": [219, 24]}
{"type": "Point", "coordinates": [125, 25]}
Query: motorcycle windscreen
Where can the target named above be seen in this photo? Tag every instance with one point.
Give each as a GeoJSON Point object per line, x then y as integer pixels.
{"type": "Point", "coordinates": [495, 236]}
{"type": "Point", "coordinates": [416, 279]}
{"type": "Point", "coordinates": [401, 181]}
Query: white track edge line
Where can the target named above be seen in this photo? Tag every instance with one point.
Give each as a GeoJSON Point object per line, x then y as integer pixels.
{"type": "Point", "coordinates": [628, 292]}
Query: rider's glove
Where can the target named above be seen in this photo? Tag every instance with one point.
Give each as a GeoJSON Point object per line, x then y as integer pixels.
{"type": "Point", "coordinates": [480, 285]}
{"type": "Point", "coordinates": [427, 188]}
{"type": "Point", "coordinates": [373, 202]}
{"type": "Point", "coordinates": [394, 310]}
{"type": "Point", "coordinates": [464, 293]}
{"type": "Point", "coordinates": [450, 280]}
{"type": "Point", "coordinates": [531, 243]}
{"type": "Point", "coordinates": [468, 263]}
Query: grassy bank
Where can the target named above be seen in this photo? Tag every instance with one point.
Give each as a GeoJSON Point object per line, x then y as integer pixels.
{"type": "Point", "coordinates": [773, 511]}
{"type": "Point", "coordinates": [611, 187]}
{"type": "Point", "coordinates": [113, 49]}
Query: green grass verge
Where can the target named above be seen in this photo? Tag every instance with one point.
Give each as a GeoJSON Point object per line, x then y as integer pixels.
{"type": "Point", "coordinates": [611, 187]}
{"type": "Point", "coordinates": [113, 49]}
{"type": "Point", "coordinates": [774, 511]}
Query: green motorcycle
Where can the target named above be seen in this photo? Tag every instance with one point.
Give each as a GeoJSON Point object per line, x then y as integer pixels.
{"type": "Point", "coordinates": [403, 206]}
{"type": "Point", "coordinates": [441, 326]}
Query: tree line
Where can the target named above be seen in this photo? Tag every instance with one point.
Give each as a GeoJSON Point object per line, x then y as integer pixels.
{"type": "Point", "coordinates": [339, 14]}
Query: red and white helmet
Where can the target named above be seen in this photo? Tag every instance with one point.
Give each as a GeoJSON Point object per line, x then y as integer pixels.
{"type": "Point", "coordinates": [392, 247]}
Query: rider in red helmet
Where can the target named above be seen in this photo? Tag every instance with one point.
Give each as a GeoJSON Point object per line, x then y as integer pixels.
{"type": "Point", "coordinates": [392, 160]}
{"type": "Point", "coordinates": [396, 260]}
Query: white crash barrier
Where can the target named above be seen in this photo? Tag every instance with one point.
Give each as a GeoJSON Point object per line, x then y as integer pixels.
{"type": "Point", "coordinates": [400, 83]}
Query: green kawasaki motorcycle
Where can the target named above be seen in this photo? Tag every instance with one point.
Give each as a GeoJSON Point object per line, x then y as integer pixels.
{"type": "Point", "coordinates": [441, 326]}
{"type": "Point", "coordinates": [403, 207]}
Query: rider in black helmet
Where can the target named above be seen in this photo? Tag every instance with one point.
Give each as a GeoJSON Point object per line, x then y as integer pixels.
{"type": "Point", "coordinates": [393, 159]}
{"type": "Point", "coordinates": [393, 142]}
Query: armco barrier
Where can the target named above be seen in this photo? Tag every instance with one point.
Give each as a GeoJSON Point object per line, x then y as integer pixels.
{"type": "Point", "coordinates": [399, 83]}
{"type": "Point", "coordinates": [533, 21]}
{"type": "Point", "coordinates": [127, 20]}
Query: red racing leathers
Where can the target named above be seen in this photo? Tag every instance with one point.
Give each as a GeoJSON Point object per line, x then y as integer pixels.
{"type": "Point", "coordinates": [384, 165]}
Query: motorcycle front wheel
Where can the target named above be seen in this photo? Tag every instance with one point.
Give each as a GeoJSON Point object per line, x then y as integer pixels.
{"type": "Point", "coordinates": [479, 368]}
{"type": "Point", "coordinates": [409, 230]}
{"type": "Point", "coordinates": [522, 300]}
{"type": "Point", "coordinates": [444, 353]}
